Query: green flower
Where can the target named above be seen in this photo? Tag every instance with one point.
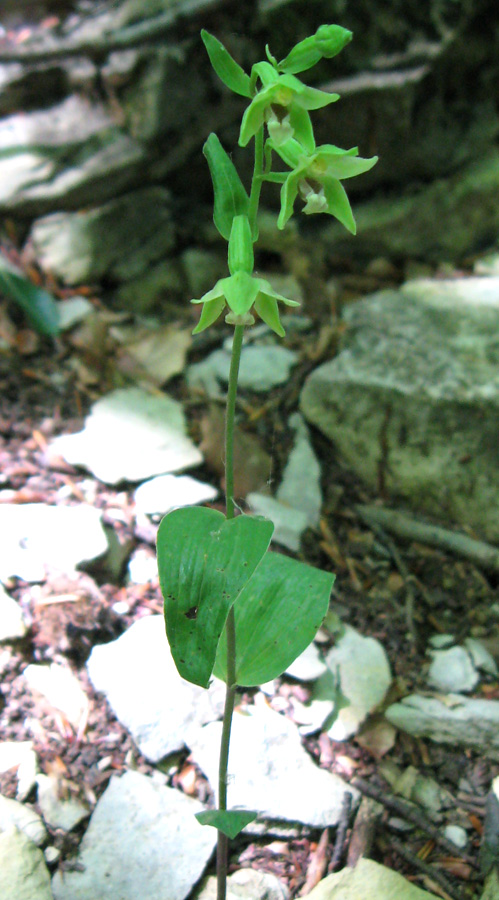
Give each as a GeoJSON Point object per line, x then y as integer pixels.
{"type": "Point", "coordinates": [283, 104]}
{"type": "Point", "coordinates": [242, 292]}
{"type": "Point", "coordinates": [317, 179]}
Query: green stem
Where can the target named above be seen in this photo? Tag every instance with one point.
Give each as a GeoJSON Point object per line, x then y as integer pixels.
{"type": "Point", "coordinates": [230, 627]}
{"type": "Point", "coordinates": [256, 184]}
{"type": "Point", "coordinates": [229, 420]}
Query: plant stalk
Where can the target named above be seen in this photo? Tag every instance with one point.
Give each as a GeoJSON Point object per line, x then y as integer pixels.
{"type": "Point", "coordinates": [230, 627]}
{"type": "Point", "coordinates": [256, 184]}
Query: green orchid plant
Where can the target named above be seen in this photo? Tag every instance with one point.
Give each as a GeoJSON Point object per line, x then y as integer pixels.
{"type": "Point", "coordinates": [233, 608]}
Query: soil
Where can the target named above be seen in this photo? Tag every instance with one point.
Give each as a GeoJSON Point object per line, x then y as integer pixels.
{"type": "Point", "coordinates": [45, 390]}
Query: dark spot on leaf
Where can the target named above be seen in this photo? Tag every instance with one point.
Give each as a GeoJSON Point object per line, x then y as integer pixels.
{"type": "Point", "coordinates": [192, 613]}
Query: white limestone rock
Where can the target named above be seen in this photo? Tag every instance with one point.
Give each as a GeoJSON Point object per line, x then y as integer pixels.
{"type": "Point", "coordinates": [131, 435]}
{"type": "Point", "coordinates": [455, 719]}
{"type": "Point", "coordinates": [21, 756]}
{"type": "Point", "coordinates": [270, 771]}
{"type": "Point", "coordinates": [37, 538]}
{"type": "Point", "coordinates": [289, 523]}
{"type": "Point", "coordinates": [142, 841]}
{"type": "Point", "coordinates": [57, 811]}
{"type": "Point", "coordinates": [452, 670]}
{"type": "Point", "coordinates": [138, 677]}
{"type": "Point", "coordinates": [60, 688]}
{"type": "Point", "coordinates": [160, 495]}
{"type": "Point", "coordinates": [308, 666]}
{"type": "Point", "coordinates": [368, 879]}
{"type": "Point", "coordinates": [12, 624]}
{"type": "Point", "coordinates": [245, 883]}
{"type": "Point", "coordinates": [23, 873]}
{"type": "Point", "coordinates": [357, 681]}
{"type": "Point", "coordinates": [17, 815]}
{"type": "Point", "coordinates": [300, 487]}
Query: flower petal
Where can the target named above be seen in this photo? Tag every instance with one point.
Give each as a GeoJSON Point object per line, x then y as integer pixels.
{"type": "Point", "coordinates": [302, 128]}
{"type": "Point", "coordinates": [267, 309]}
{"type": "Point", "coordinates": [289, 192]}
{"type": "Point", "coordinates": [254, 115]}
{"type": "Point", "coordinates": [267, 289]}
{"type": "Point", "coordinates": [338, 204]}
{"type": "Point", "coordinates": [291, 153]}
{"type": "Point", "coordinates": [215, 292]}
{"type": "Point", "coordinates": [210, 313]}
{"type": "Point", "coordinates": [312, 98]}
{"type": "Point", "coordinates": [347, 166]}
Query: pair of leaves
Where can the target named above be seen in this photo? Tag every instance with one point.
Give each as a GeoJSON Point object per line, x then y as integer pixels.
{"type": "Point", "coordinates": [204, 561]}
{"type": "Point", "coordinates": [208, 563]}
{"type": "Point", "coordinates": [38, 305]}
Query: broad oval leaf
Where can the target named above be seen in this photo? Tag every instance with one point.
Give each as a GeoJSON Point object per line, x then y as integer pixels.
{"type": "Point", "coordinates": [38, 305]}
{"type": "Point", "coordinates": [227, 69]}
{"type": "Point", "coordinates": [277, 616]}
{"type": "Point", "coordinates": [230, 197]}
{"type": "Point", "coordinates": [204, 562]}
{"type": "Point", "coordinates": [229, 821]}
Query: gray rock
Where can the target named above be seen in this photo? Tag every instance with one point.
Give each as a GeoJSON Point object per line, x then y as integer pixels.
{"type": "Point", "coordinates": [142, 841]}
{"type": "Point", "coordinates": [202, 269]}
{"type": "Point", "coordinates": [118, 240]}
{"type": "Point", "coordinates": [37, 538]}
{"type": "Point", "coordinates": [12, 624]}
{"type": "Point", "coordinates": [457, 835]}
{"type": "Point", "coordinates": [411, 399]}
{"type": "Point", "coordinates": [150, 699]}
{"type": "Point", "coordinates": [131, 435]}
{"type": "Point", "coordinates": [37, 182]}
{"type": "Point", "coordinates": [452, 670]}
{"type": "Point", "coordinates": [72, 311]}
{"type": "Point", "coordinates": [166, 492]}
{"type": "Point", "coordinates": [17, 815]}
{"type": "Point", "coordinates": [270, 771]}
{"type": "Point", "coordinates": [245, 883]}
{"type": "Point", "coordinates": [159, 283]}
{"type": "Point", "coordinates": [453, 720]}
{"type": "Point", "coordinates": [357, 681]}
{"type": "Point", "coordinates": [406, 226]}
{"type": "Point", "coordinates": [300, 487]}
{"type": "Point", "coordinates": [74, 121]}
{"type": "Point", "coordinates": [261, 369]}
{"type": "Point", "coordinates": [481, 657]}
{"type": "Point", "coordinates": [367, 879]}
{"type": "Point", "coordinates": [23, 873]}
{"type": "Point", "coordinates": [60, 688]}
{"type": "Point", "coordinates": [56, 811]}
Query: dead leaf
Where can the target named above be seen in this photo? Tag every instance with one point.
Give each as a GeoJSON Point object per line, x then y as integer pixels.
{"type": "Point", "coordinates": [317, 864]}
{"type": "Point", "coordinates": [160, 353]}
{"type": "Point", "coordinates": [252, 464]}
{"type": "Point", "coordinates": [377, 736]}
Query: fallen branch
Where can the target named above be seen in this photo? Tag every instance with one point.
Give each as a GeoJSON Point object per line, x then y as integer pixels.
{"type": "Point", "coordinates": [413, 815]}
{"type": "Point", "coordinates": [430, 871]}
{"type": "Point", "coordinates": [483, 555]}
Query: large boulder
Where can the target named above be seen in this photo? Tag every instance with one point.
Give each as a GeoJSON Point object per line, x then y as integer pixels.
{"type": "Point", "coordinates": [411, 400]}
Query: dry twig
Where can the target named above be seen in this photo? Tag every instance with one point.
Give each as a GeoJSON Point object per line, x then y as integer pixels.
{"type": "Point", "coordinates": [402, 525]}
